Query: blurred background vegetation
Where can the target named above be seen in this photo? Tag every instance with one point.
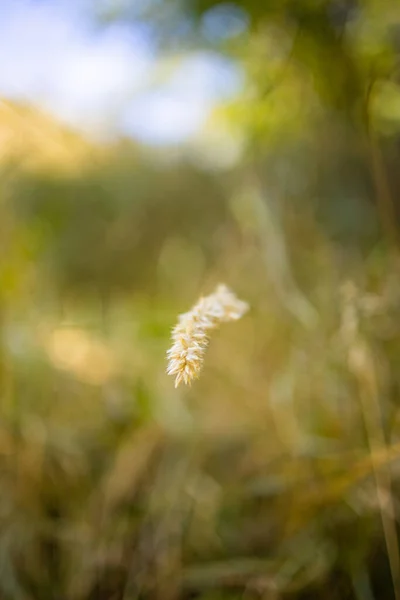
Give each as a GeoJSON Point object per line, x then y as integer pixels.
{"type": "Point", "coordinates": [275, 475]}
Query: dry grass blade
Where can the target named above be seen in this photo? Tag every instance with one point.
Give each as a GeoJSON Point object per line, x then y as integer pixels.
{"type": "Point", "coordinates": [362, 365]}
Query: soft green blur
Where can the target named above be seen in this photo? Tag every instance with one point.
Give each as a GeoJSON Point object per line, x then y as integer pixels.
{"type": "Point", "coordinates": [275, 475]}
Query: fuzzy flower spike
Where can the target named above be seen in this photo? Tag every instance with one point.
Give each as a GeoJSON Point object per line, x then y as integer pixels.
{"type": "Point", "coordinates": [191, 334]}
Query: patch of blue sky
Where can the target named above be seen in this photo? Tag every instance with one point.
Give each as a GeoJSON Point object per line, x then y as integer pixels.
{"type": "Point", "coordinates": [174, 112]}
{"type": "Point", "coordinates": [101, 79]}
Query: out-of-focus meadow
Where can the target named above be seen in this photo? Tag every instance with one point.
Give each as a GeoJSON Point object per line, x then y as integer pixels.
{"type": "Point", "coordinates": [275, 475]}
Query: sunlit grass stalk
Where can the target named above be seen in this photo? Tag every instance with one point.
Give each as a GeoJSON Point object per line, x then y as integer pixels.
{"type": "Point", "coordinates": [191, 334]}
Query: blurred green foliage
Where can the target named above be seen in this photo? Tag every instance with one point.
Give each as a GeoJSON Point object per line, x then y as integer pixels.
{"type": "Point", "coordinates": [275, 476]}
